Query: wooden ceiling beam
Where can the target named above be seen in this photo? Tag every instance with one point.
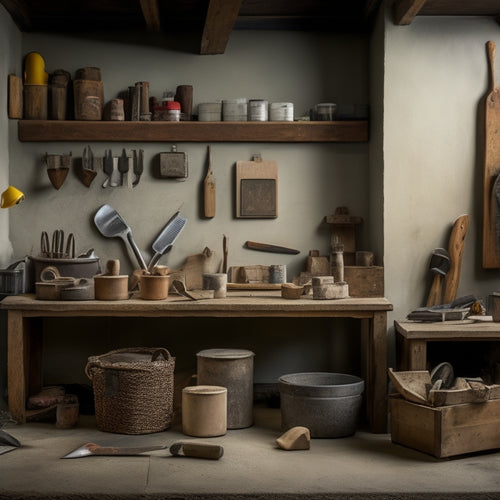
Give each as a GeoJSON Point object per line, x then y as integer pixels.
{"type": "Point", "coordinates": [371, 7]}
{"type": "Point", "coordinates": [151, 12]}
{"type": "Point", "coordinates": [219, 23]}
{"type": "Point", "coordinates": [405, 11]}
{"type": "Point", "coordinates": [19, 12]}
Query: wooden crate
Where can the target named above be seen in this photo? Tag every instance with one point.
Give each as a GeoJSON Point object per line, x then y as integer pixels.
{"type": "Point", "coordinates": [448, 430]}
{"type": "Point", "coordinates": [365, 281]}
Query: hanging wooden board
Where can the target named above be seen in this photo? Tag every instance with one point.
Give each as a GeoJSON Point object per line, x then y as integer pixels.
{"type": "Point", "coordinates": [491, 191]}
{"type": "Point", "coordinates": [15, 97]}
{"type": "Point", "coordinates": [257, 189]}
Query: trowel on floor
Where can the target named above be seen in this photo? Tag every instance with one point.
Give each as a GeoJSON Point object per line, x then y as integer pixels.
{"type": "Point", "coordinates": [181, 448]}
{"type": "Point", "coordinates": [7, 442]}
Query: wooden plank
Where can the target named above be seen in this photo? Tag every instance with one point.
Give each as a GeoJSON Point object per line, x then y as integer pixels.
{"type": "Point", "coordinates": [99, 131]}
{"type": "Point", "coordinates": [151, 12]}
{"type": "Point", "coordinates": [15, 97]}
{"type": "Point", "coordinates": [404, 11]}
{"type": "Point", "coordinates": [491, 168]}
{"type": "Point", "coordinates": [257, 189]}
{"type": "Point", "coordinates": [221, 16]}
{"type": "Point", "coordinates": [16, 366]}
{"type": "Point", "coordinates": [446, 431]}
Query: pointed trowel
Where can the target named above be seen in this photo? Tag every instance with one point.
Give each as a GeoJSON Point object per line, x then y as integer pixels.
{"type": "Point", "coordinates": [181, 448]}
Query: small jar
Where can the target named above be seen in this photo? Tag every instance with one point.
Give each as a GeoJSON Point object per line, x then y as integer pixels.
{"type": "Point", "coordinates": [173, 111]}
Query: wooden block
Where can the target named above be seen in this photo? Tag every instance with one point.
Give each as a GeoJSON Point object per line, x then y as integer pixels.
{"type": "Point", "coordinates": [365, 281]}
{"type": "Point", "coordinates": [15, 97]}
{"type": "Point", "coordinates": [448, 430]}
{"type": "Point", "coordinates": [249, 274]}
{"type": "Point", "coordinates": [89, 99]}
{"type": "Point", "coordinates": [35, 102]}
{"type": "Point", "coordinates": [318, 266]}
{"type": "Point", "coordinates": [257, 189]}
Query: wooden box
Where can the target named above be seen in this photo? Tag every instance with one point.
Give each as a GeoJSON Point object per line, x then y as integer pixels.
{"type": "Point", "coordinates": [365, 281]}
{"type": "Point", "coordinates": [447, 430]}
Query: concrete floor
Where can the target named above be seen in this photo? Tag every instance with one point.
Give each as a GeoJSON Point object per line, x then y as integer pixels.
{"type": "Point", "coordinates": [362, 466]}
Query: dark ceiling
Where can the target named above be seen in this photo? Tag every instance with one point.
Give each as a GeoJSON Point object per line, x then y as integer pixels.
{"type": "Point", "coordinates": [214, 20]}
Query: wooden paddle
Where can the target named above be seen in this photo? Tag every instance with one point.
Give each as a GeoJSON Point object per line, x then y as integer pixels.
{"type": "Point", "coordinates": [456, 250]}
{"type": "Point", "coordinates": [209, 189]}
{"type": "Point", "coordinates": [491, 238]}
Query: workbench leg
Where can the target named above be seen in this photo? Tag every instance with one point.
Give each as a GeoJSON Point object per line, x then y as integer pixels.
{"type": "Point", "coordinates": [415, 354]}
{"type": "Point", "coordinates": [17, 366]}
{"type": "Point", "coordinates": [376, 372]}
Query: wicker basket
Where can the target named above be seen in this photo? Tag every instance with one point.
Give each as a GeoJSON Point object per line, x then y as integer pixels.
{"type": "Point", "coordinates": [133, 389]}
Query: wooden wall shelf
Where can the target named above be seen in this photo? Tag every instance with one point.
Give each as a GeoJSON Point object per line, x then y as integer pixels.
{"type": "Point", "coordinates": [74, 131]}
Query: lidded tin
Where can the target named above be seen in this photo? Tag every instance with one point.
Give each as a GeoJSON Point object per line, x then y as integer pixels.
{"type": "Point", "coordinates": [233, 369]}
{"type": "Point", "coordinates": [204, 410]}
{"type": "Point", "coordinates": [281, 112]}
{"type": "Point", "coordinates": [234, 110]}
{"type": "Point", "coordinates": [257, 110]}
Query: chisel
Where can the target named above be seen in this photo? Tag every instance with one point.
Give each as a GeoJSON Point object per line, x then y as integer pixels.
{"type": "Point", "coordinates": [264, 247]}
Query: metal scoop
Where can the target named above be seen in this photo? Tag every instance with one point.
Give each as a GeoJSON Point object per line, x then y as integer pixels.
{"type": "Point", "coordinates": [111, 224]}
{"type": "Point", "coordinates": [166, 238]}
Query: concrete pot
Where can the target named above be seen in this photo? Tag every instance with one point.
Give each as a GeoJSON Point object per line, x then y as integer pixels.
{"type": "Point", "coordinates": [328, 404]}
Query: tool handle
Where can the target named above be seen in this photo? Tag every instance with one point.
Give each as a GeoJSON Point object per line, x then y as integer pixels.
{"type": "Point", "coordinates": [434, 298]}
{"type": "Point", "coordinates": [197, 450]}
{"type": "Point", "coordinates": [136, 251]}
{"type": "Point", "coordinates": [122, 450]}
{"type": "Point", "coordinates": [491, 64]}
{"type": "Point", "coordinates": [264, 247]}
{"type": "Point", "coordinates": [456, 250]}
{"type": "Point", "coordinates": [156, 257]}
{"type": "Point", "coordinates": [209, 189]}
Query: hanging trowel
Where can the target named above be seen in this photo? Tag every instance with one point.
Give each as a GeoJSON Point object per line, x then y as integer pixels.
{"type": "Point", "coordinates": [87, 173]}
{"type": "Point", "coordinates": [138, 166]}
{"type": "Point", "coordinates": [182, 448]}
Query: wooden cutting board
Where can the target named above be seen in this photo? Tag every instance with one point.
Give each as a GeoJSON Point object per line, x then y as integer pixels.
{"type": "Point", "coordinates": [491, 208]}
{"type": "Point", "coordinates": [257, 189]}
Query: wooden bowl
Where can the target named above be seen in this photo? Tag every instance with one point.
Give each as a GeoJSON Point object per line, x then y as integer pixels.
{"type": "Point", "coordinates": [291, 291]}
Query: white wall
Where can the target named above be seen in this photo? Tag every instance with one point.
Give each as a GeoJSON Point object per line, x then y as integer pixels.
{"type": "Point", "coordinates": [435, 77]}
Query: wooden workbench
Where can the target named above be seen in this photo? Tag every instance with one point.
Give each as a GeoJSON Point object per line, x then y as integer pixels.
{"type": "Point", "coordinates": [24, 342]}
{"type": "Point", "coordinates": [412, 338]}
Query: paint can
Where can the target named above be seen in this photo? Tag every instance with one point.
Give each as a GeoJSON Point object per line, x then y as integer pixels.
{"type": "Point", "coordinates": [281, 112]}
{"type": "Point", "coordinates": [231, 368]}
{"type": "Point", "coordinates": [277, 273]}
{"type": "Point", "coordinates": [234, 110]}
{"type": "Point", "coordinates": [258, 110]}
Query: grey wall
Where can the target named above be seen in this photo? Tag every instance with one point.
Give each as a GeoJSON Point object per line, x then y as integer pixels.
{"type": "Point", "coordinates": [435, 77]}
{"type": "Point", "coordinates": [418, 173]}
{"type": "Point", "coordinates": [10, 62]}
{"type": "Point", "coordinates": [314, 179]}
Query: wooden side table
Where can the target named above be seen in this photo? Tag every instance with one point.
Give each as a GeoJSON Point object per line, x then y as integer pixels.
{"type": "Point", "coordinates": [412, 338]}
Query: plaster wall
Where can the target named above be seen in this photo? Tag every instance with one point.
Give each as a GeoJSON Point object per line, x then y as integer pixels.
{"type": "Point", "coordinates": [314, 179]}
{"type": "Point", "coordinates": [10, 62]}
{"type": "Point", "coordinates": [435, 78]}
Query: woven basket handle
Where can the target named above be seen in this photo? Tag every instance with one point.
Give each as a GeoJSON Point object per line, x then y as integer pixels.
{"type": "Point", "coordinates": [88, 369]}
{"type": "Point", "coordinates": [160, 352]}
